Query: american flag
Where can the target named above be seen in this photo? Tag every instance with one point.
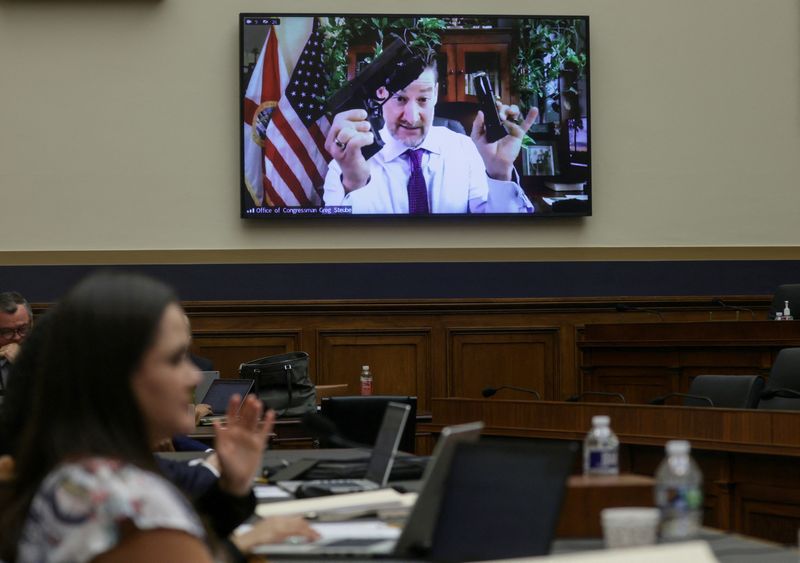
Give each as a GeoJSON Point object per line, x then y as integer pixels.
{"type": "Point", "coordinates": [295, 159]}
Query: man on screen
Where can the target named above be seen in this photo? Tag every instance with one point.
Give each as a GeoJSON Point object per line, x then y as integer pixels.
{"type": "Point", "coordinates": [424, 168]}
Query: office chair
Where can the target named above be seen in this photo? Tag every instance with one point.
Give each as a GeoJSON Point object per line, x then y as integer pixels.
{"type": "Point", "coordinates": [452, 124]}
{"type": "Point", "coordinates": [596, 397]}
{"type": "Point", "coordinates": [455, 125]}
{"type": "Point", "coordinates": [358, 418]}
{"type": "Point", "coordinates": [788, 292]}
{"type": "Point", "coordinates": [782, 391]}
{"type": "Point", "coordinates": [726, 391]}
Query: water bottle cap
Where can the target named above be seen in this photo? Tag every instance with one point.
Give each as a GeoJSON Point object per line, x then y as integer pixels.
{"type": "Point", "coordinates": [601, 420]}
{"type": "Point", "coordinates": [678, 447]}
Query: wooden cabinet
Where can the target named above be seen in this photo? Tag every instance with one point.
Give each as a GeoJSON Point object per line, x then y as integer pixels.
{"type": "Point", "coordinates": [643, 361]}
{"type": "Point", "coordinates": [462, 53]}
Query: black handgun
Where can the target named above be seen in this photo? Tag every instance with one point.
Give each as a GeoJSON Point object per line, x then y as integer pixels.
{"type": "Point", "coordinates": [495, 130]}
{"type": "Point", "coordinates": [395, 68]}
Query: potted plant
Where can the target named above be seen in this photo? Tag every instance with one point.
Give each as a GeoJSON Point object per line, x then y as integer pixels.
{"type": "Point", "coordinates": [421, 34]}
{"type": "Point", "coordinates": [545, 48]}
{"type": "Point", "coordinates": [545, 71]}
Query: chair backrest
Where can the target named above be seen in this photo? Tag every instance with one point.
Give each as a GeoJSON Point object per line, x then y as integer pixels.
{"type": "Point", "coordinates": [452, 124]}
{"type": "Point", "coordinates": [726, 391]}
{"type": "Point", "coordinates": [788, 292]}
{"type": "Point", "coordinates": [785, 374]}
{"type": "Point", "coordinates": [358, 418]}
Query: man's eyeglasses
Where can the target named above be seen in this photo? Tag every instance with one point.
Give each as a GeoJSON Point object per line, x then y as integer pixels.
{"type": "Point", "coordinates": [22, 331]}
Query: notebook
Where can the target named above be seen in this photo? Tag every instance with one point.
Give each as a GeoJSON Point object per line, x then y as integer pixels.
{"type": "Point", "coordinates": [380, 462]}
{"type": "Point", "coordinates": [206, 378]}
{"type": "Point", "coordinates": [219, 393]}
{"type": "Point", "coordinates": [416, 537]}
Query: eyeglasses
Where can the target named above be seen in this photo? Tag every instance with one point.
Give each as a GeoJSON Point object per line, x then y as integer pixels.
{"type": "Point", "coordinates": [22, 331]}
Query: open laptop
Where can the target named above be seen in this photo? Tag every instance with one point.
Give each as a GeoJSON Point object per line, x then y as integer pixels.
{"type": "Point", "coordinates": [380, 462]}
{"type": "Point", "coordinates": [417, 534]}
{"type": "Point", "coordinates": [502, 500]}
{"type": "Point", "coordinates": [219, 394]}
{"type": "Point", "coordinates": [206, 378]}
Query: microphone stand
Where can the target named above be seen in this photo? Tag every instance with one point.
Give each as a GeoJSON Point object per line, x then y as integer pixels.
{"type": "Point", "coordinates": [491, 391]}
{"type": "Point", "coordinates": [721, 303]}
{"type": "Point", "coordinates": [623, 308]}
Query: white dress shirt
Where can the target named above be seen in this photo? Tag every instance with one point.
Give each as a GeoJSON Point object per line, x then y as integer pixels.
{"type": "Point", "coordinates": [454, 175]}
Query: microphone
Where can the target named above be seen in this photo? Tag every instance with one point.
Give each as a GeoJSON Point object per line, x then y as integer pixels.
{"type": "Point", "coordinates": [780, 392]}
{"type": "Point", "coordinates": [720, 303]}
{"type": "Point", "coordinates": [490, 391]}
{"type": "Point", "coordinates": [578, 396]}
{"type": "Point", "coordinates": [660, 400]}
{"type": "Point", "coordinates": [623, 308]}
{"type": "Point", "coordinates": [321, 427]}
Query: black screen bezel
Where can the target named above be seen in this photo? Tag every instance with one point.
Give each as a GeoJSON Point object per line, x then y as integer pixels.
{"type": "Point", "coordinates": [393, 218]}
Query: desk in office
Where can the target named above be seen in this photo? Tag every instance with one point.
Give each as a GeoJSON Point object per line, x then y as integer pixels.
{"type": "Point", "coordinates": [645, 360]}
{"type": "Point", "coordinates": [750, 459]}
{"type": "Point", "coordinates": [287, 433]}
{"type": "Point", "coordinates": [727, 548]}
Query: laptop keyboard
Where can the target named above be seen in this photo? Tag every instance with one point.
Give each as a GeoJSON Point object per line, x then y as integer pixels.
{"type": "Point", "coordinates": [340, 486]}
{"type": "Point", "coordinates": [354, 542]}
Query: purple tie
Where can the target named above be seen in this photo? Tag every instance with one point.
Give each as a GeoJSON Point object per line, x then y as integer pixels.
{"type": "Point", "coordinates": [417, 191]}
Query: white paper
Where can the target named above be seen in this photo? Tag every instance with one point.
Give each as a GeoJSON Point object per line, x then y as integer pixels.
{"type": "Point", "coordinates": [340, 506]}
{"type": "Point", "coordinates": [366, 529]}
{"type": "Point", "coordinates": [270, 491]}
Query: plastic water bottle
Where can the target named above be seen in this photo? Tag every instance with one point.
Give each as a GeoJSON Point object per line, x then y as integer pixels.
{"type": "Point", "coordinates": [366, 381]}
{"type": "Point", "coordinates": [600, 449]}
{"type": "Point", "coordinates": [787, 313]}
{"type": "Point", "coordinates": [679, 492]}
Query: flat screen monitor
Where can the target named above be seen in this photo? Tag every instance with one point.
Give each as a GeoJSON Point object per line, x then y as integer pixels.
{"type": "Point", "coordinates": [347, 116]}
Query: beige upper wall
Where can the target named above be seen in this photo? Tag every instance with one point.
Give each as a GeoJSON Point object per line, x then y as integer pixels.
{"type": "Point", "coordinates": [118, 128]}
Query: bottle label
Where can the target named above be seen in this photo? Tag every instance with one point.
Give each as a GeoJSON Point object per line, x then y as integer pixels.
{"type": "Point", "coordinates": [681, 511]}
{"type": "Point", "coordinates": [366, 386]}
{"type": "Point", "coordinates": [679, 499]}
{"type": "Point", "coordinates": [603, 461]}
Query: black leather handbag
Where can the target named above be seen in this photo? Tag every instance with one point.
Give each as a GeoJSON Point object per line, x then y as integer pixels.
{"type": "Point", "coordinates": [282, 382]}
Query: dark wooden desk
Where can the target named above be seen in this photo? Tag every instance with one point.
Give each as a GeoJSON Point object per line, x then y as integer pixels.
{"type": "Point", "coordinates": [645, 360]}
{"type": "Point", "coordinates": [288, 433]}
{"type": "Point", "coordinates": [750, 459]}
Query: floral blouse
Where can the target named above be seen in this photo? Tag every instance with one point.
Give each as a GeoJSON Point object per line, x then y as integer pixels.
{"type": "Point", "coordinates": [77, 512]}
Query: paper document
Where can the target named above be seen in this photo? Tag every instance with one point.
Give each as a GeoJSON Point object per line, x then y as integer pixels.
{"type": "Point", "coordinates": [363, 529]}
{"type": "Point", "coordinates": [270, 491]}
{"type": "Point", "coordinates": [551, 200]}
{"type": "Point", "coordinates": [694, 551]}
{"type": "Point", "coordinates": [339, 506]}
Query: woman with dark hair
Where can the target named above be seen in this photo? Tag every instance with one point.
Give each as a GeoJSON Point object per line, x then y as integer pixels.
{"type": "Point", "coordinates": [112, 378]}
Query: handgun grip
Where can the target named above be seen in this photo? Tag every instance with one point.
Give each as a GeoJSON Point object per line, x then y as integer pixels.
{"type": "Point", "coordinates": [495, 130]}
{"type": "Point", "coordinates": [375, 124]}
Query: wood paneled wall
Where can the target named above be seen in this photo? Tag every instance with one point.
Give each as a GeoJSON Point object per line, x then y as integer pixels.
{"type": "Point", "coordinates": [433, 348]}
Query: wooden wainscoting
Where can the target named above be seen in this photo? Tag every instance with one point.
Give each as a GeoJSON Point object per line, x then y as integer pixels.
{"type": "Point", "coordinates": [456, 347]}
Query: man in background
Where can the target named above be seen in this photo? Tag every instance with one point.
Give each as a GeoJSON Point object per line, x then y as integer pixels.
{"type": "Point", "coordinates": [15, 324]}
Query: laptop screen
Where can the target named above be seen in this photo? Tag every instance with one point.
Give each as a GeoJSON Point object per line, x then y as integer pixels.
{"type": "Point", "coordinates": [221, 390]}
{"type": "Point", "coordinates": [387, 442]}
{"type": "Point", "coordinates": [515, 488]}
{"type": "Point", "coordinates": [206, 377]}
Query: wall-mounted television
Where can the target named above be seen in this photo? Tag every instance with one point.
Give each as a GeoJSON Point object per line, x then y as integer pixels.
{"type": "Point", "coordinates": [372, 115]}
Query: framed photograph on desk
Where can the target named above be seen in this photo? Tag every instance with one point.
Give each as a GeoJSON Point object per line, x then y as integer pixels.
{"type": "Point", "coordinates": [540, 159]}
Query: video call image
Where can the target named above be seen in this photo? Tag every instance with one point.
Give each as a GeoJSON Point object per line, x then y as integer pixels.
{"type": "Point", "coordinates": [375, 115]}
